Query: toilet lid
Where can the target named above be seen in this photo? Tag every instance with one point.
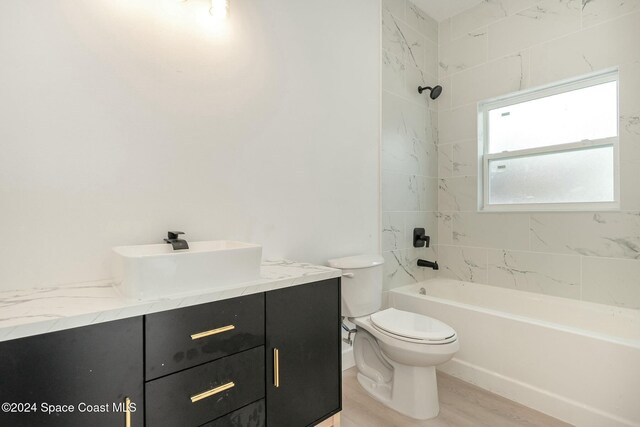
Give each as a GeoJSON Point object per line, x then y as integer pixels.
{"type": "Point", "coordinates": [412, 325]}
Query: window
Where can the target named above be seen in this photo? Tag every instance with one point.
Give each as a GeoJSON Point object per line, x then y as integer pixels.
{"type": "Point", "coordinates": [554, 148]}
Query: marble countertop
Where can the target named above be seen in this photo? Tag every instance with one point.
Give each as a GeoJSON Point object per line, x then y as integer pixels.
{"type": "Point", "coordinates": [28, 312]}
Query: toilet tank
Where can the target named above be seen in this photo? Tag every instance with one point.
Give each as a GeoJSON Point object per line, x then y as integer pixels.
{"type": "Point", "coordinates": [361, 284]}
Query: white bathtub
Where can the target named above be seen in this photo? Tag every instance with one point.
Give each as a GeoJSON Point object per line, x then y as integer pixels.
{"type": "Point", "coordinates": [574, 360]}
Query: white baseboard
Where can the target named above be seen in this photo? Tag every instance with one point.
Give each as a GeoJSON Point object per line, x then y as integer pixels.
{"type": "Point", "coordinates": [347, 358]}
{"type": "Point", "coordinates": [567, 410]}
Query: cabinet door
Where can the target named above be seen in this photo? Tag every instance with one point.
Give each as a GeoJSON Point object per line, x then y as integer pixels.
{"type": "Point", "coordinates": [93, 369]}
{"type": "Point", "coordinates": [304, 378]}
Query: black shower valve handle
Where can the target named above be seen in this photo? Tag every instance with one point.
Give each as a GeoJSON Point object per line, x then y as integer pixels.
{"type": "Point", "coordinates": [420, 239]}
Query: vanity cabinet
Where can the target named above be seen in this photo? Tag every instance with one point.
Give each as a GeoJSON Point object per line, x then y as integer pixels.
{"type": "Point", "coordinates": [204, 362]}
{"type": "Point", "coordinates": [189, 398]}
{"type": "Point", "coordinates": [252, 415]}
{"type": "Point", "coordinates": [264, 360]}
{"type": "Point", "coordinates": [303, 354]}
{"type": "Point", "coordinates": [93, 368]}
{"type": "Point", "coordinates": [186, 337]}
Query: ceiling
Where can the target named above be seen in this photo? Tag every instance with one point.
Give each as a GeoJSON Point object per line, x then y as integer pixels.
{"type": "Point", "coordinates": [443, 9]}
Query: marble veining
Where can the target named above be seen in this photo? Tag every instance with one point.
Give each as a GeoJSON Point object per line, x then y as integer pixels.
{"type": "Point", "coordinates": [445, 161]}
{"type": "Point", "coordinates": [464, 52]}
{"type": "Point", "coordinates": [409, 157]}
{"type": "Point", "coordinates": [461, 263]}
{"type": "Point", "coordinates": [422, 22]}
{"type": "Point", "coordinates": [487, 12]}
{"type": "Point", "coordinates": [410, 46]}
{"type": "Point", "coordinates": [407, 147]}
{"type": "Point", "coordinates": [393, 72]}
{"type": "Point", "coordinates": [464, 159]}
{"type": "Point", "coordinates": [522, 76]}
{"type": "Point", "coordinates": [544, 21]}
{"type": "Point", "coordinates": [596, 11]}
{"type": "Point", "coordinates": [396, 7]}
{"type": "Point", "coordinates": [35, 311]}
{"type": "Point", "coordinates": [445, 232]}
{"type": "Point", "coordinates": [612, 235]}
{"type": "Point", "coordinates": [400, 267]}
{"type": "Point", "coordinates": [502, 46]}
{"type": "Point", "coordinates": [507, 74]}
{"type": "Point", "coordinates": [452, 201]}
{"type": "Point", "coordinates": [589, 64]}
{"type": "Point", "coordinates": [542, 273]}
{"type": "Point", "coordinates": [457, 194]}
{"type": "Point", "coordinates": [631, 124]}
{"type": "Point", "coordinates": [401, 40]}
{"type": "Point", "coordinates": [536, 12]}
{"type": "Point", "coordinates": [392, 230]}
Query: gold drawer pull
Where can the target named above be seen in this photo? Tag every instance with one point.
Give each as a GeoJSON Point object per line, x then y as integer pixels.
{"type": "Point", "coordinates": [212, 332]}
{"type": "Point", "coordinates": [276, 367]}
{"type": "Point", "coordinates": [127, 415]}
{"type": "Point", "coordinates": [212, 392]}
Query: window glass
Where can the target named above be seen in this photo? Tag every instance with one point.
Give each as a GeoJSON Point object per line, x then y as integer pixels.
{"type": "Point", "coordinates": [584, 175]}
{"type": "Point", "coordinates": [589, 113]}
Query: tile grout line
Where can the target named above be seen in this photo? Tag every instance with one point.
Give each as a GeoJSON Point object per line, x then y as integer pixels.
{"type": "Point", "coordinates": [529, 231]}
{"type": "Point", "coordinates": [581, 276]}
{"type": "Point", "coordinates": [412, 102]}
{"type": "Point", "coordinates": [405, 21]}
{"type": "Point", "coordinates": [521, 10]}
{"type": "Point", "coordinates": [515, 52]}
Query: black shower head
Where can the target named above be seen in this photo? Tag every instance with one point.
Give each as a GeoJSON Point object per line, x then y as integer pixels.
{"type": "Point", "coordinates": [435, 91]}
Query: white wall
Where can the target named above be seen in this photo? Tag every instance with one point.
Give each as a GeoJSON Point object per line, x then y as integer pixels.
{"type": "Point", "coordinates": [121, 119]}
{"type": "Point", "coordinates": [504, 46]}
{"type": "Point", "coordinates": [409, 137]}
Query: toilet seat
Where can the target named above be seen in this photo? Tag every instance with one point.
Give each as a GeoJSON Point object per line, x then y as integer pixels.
{"type": "Point", "coordinates": [412, 327]}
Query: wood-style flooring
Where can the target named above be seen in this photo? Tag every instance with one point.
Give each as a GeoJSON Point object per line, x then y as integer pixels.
{"type": "Point", "coordinates": [461, 405]}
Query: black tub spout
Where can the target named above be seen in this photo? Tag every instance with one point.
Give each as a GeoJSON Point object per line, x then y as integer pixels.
{"type": "Point", "coordinates": [428, 264]}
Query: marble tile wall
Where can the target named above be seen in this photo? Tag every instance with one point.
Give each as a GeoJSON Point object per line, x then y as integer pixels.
{"type": "Point", "coordinates": [409, 140]}
{"type": "Point", "coordinates": [502, 46]}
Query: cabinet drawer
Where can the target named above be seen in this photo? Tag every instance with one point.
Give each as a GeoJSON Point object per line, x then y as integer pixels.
{"type": "Point", "coordinates": [252, 415]}
{"type": "Point", "coordinates": [186, 337]}
{"type": "Point", "coordinates": [204, 393]}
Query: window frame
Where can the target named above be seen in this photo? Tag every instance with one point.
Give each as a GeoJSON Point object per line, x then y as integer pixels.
{"type": "Point", "coordinates": [593, 79]}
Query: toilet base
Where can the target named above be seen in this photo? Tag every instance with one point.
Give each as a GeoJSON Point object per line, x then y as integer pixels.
{"type": "Point", "coordinates": [413, 390]}
{"type": "Point", "coordinates": [409, 387]}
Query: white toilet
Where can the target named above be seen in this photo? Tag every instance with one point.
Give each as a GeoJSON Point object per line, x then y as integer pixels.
{"type": "Point", "coordinates": [395, 351]}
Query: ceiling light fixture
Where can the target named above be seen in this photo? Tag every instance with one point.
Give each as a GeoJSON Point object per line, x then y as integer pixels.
{"type": "Point", "coordinates": [219, 9]}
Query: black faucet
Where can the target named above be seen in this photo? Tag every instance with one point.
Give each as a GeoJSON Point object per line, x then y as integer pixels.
{"type": "Point", "coordinates": [425, 263]}
{"type": "Point", "coordinates": [172, 238]}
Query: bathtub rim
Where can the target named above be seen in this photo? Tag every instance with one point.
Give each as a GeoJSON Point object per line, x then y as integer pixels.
{"type": "Point", "coordinates": [404, 290]}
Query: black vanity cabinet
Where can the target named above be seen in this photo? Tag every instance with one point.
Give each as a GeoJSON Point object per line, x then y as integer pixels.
{"type": "Point", "coordinates": [93, 368]}
{"type": "Point", "coordinates": [264, 360]}
{"type": "Point", "coordinates": [303, 354]}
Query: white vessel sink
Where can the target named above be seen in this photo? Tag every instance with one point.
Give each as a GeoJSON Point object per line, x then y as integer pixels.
{"type": "Point", "coordinates": [148, 272]}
